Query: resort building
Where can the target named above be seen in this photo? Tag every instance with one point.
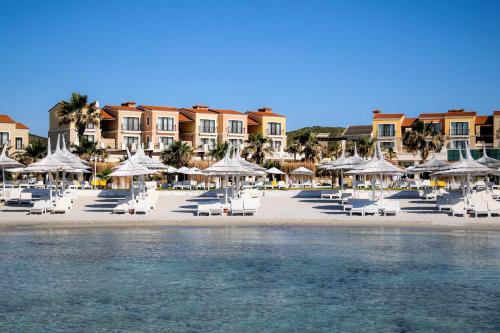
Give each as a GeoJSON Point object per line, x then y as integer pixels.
{"type": "Point", "coordinates": [356, 132]}
{"type": "Point", "coordinates": [13, 134]}
{"type": "Point", "coordinates": [201, 127]}
{"type": "Point", "coordinates": [457, 127]}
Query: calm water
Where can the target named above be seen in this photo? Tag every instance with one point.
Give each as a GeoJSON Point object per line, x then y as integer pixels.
{"type": "Point", "coordinates": [249, 280]}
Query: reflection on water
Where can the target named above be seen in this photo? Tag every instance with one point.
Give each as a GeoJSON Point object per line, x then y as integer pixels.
{"type": "Point", "coordinates": [250, 280]}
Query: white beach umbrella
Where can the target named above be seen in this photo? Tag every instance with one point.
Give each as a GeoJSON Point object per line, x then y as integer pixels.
{"type": "Point", "coordinates": [245, 163]}
{"type": "Point", "coordinates": [346, 164]}
{"type": "Point", "coordinates": [142, 159]}
{"type": "Point", "coordinates": [227, 167]}
{"type": "Point", "coordinates": [302, 171]}
{"type": "Point", "coordinates": [275, 171]}
{"type": "Point", "coordinates": [490, 162]}
{"type": "Point", "coordinates": [466, 168]}
{"type": "Point", "coordinates": [432, 165]}
{"type": "Point", "coordinates": [7, 163]}
{"type": "Point", "coordinates": [183, 170]}
{"type": "Point", "coordinates": [66, 152]}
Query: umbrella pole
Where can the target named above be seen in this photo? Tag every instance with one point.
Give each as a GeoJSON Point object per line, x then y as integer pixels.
{"type": "Point", "coordinates": [381, 189]}
{"type": "Point", "coordinates": [341, 181]}
{"type": "Point", "coordinates": [132, 190]}
{"type": "Point", "coordinates": [50, 187]}
{"type": "Point", "coordinates": [468, 189]}
{"type": "Point", "coordinates": [3, 182]}
{"type": "Point", "coordinates": [354, 186]}
{"type": "Point", "coordinates": [225, 189]}
{"type": "Point", "coordinates": [373, 187]}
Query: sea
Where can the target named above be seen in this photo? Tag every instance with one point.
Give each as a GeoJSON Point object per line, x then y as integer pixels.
{"type": "Point", "coordinates": [249, 279]}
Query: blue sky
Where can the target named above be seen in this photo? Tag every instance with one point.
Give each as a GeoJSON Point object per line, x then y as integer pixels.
{"type": "Point", "coordinates": [319, 62]}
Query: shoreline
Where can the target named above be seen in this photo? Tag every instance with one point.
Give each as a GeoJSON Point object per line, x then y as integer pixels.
{"type": "Point", "coordinates": [489, 225]}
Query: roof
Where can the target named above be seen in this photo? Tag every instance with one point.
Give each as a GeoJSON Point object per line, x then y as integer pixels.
{"type": "Point", "coordinates": [21, 126]}
{"type": "Point", "coordinates": [252, 122]}
{"type": "Point", "coordinates": [484, 120]}
{"type": "Point", "coordinates": [105, 115]}
{"type": "Point", "coordinates": [196, 110]}
{"type": "Point", "coordinates": [159, 108]}
{"type": "Point", "coordinates": [184, 118]}
{"type": "Point", "coordinates": [460, 114]}
{"type": "Point", "coordinates": [496, 113]}
{"type": "Point", "coordinates": [387, 115]}
{"type": "Point", "coordinates": [431, 115]}
{"type": "Point", "coordinates": [6, 119]}
{"type": "Point", "coordinates": [222, 111]}
{"type": "Point", "coordinates": [407, 122]}
{"type": "Point", "coordinates": [121, 108]}
{"type": "Point", "coordinates": [359, 130]}
{"type": "Point", "coordinates": [264, 114]}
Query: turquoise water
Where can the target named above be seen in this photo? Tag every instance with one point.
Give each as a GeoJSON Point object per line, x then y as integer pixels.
{"type": "Point", "coordinates": [249, 280]}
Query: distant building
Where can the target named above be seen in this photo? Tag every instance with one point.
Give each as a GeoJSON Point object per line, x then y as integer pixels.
{"type": "Point", "coordinates": [13, 134]}
{"type": "Point", "coordinates": [357, 132]}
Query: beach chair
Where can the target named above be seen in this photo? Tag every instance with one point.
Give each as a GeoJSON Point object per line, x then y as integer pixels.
{"type": "Point", "coordinates": [495, 194]}
{"type": "Point", "coordinates": [122, 207]}
{"type": "Point", "coordinates": [480, 207]}
{"type": "Point", "coordinates": [62, 206]}
{"type": "Point", "coordinates": [363, 207]}
{"type": "Point", "coordinates": [237, 207]}
{"type": "Point", "coordinates": [39, 207]}
{"type": "Point", "coordinates": [267, 185]}
{"type": "Point", "coordinates": [390, 207]}
{"type": "Point", "coordinates": [308, 184]}
{"type": "Point", "coordinates": [25, 198]}
{"type": "Point", "coordinates": [493, 206]}
{"type": "Point", "coordinates": [86, 185]}
{"type": "Point", "coordinates": [216, 208]}
{"type": "Point", "coordinates": [203, 209]}
{"type": "Point", "coordinates": [178, 186]}
{"type": "Point", "coordinates": [250, 206]}
{"type": "Point", "coordinates": [459, 209]}
{"type": "Point", "coordinates": [142, 206]}
{"type": "Point", "coordinates": [282, 185]}
{"type": "Point", "coordinates": [330, 195]}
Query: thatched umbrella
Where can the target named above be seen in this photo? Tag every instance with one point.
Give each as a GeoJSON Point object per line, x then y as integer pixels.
{"type": "Point", "coordinates": [7, 163]}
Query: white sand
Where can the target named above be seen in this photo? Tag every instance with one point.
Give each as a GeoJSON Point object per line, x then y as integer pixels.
{"type": "Point", "coordinates": [275, 211]}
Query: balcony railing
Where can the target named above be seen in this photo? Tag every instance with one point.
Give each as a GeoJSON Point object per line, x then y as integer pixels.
{"type": "Point", "coordinates": [459, 131]}
{"type": "Point", "coordinates": [385, 134]}
{"type": "Point", "coordinates": [207, 129]}
{"type": "Point", "coordinates": [275, 132]}
{"type": "Point", "coordinates": [484, 138]}
{"type": "Point", "coordinates": [171, 128]}
{"type": "Point", "coordinates": [233, 130]}
{"type": "Point", "coordinates": [130, 128]}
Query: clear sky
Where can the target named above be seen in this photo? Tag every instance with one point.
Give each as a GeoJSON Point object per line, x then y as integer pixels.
{"type": "Point", "coordinates": [319, 62]}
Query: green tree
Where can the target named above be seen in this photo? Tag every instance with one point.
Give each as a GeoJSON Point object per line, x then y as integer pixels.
{"type": "Point", "coordinates": [258, 147]}
{"type": "Point", "coordinates": [177, 154]}
{"type": "Point", "coordinates": [294, 148]}
{"type": "Point", "coordinates": [310, 145]}
{"type": "Point", "coordinates": [78, 111]}
{"type": "Point", "coordinates": [218, 152]}
{"type": "Point", "coordinates": [33, 152]}
{"type": "Point", "coordinates": [390, 153]}
{"type": "Point", "coordinates": [87, 150]}
{"type": "Point", "coordinates": [364, 146]}
{"type": "Point", "coordinates": [423, 138]}
{"type": "Point", "coordinates": [334, 149]}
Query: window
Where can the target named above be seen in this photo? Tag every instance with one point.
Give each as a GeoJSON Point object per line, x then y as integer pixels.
{"type": "Point", "coordinates": [131, 124]}
{"type": "Point", "coordinates": [147, 121]}
{"type": "Point", "coordinates": [166, 140]}
{"type": "Point", "coordinates": [436, 127]}
{"type": "Point", "coordinates": [459, 144]}
{"type": "Point", "coordinates": [4, 138]}
{"type": "Point", "coordinates": [459, 128]}
{"type": "Point", "coordinates": [90, 125]}
{"type": "Point", "coordinates": [207, 126]}
{"type": "Point", "coordinates": [273, 128]}
{"type": "Point", "coordinates": [148, 139]}
{"type": "Point", "coordinates": [209, 142]}
{"type": "Point", "coordinates": [165, 124]}
{"type": "Point", "coordinates": [386, 130]}
{"type": "Point", "coordinates": [276, 145]}
{"type": "Point", "coordinates": [19, 143]}
{"type": "Point", "coordinates": [387, 145]}
{"type": "Point", "coordinates": [88, 138]}
{"type": "Point", "coordinates": [130, 140]}
{"type": "Point", "coordinates": [235, 142]}
{"type": "Point", "coordinates": [235, 126]}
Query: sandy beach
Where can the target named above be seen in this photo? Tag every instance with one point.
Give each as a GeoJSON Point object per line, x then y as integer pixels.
{"type": "Point", "coordinates": [95, 212]}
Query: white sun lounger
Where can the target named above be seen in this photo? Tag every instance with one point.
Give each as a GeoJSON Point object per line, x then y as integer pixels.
{"type": "Point", "coordinates": [25, 198]}
{"type": "Point", "coordinates": [237, 207]}
{"type": "Point", "coordinates": [62, 206]}
{"type": "Point", "coordinates": [39, 207]}
{"type": "Point", "coordinates": [142, 207]}
{"type": "Point", "coordinates": [250, 206]}
{"type": "Point", "coordinates": [480, 208]}
{"type": "Point", "coordinates": [122, 207]}
{"type": "Point", "coordinates": [390, 207]}
{"type": "Point", "coordinates": [458, 209]}
{"type": "Point", "coordinates": [364, 207]}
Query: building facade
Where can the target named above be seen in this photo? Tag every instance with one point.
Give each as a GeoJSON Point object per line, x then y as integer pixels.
{"type": "Point", "coordinates": [13, 134]}
{"type": "Point", "coordinates": [201, 127]}
{"type": "Point", "coordinates": [457, 126]}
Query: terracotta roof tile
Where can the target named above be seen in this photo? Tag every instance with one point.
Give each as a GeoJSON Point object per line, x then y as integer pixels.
{"type": "Point", "coordinates": [158, 108]}
{"type": "Point", "coordinates": [6, 119]}
{"type": "Point", "coordinates": [184, 118]}
{"type": "Point", "coordinates": [121, 108]}
{"type": "Point", "coordinates": [407, 122]}
{"type": "Point", "coordinates": [460, 114]}
{"type": "Point", "coordinates": [431, 115]}
{"type": "Point", "coordinates": [252, 122]}
{"type": "Point", "coordinates": [264, 114]}
{"type": "Point", "coordinates": [484, 120]}
{"type": "Point", "coordinates": [21, 126]}
{"type": "Point", "coordinates": [105, 115]}
{"type": "Point", "coordinates": [387, 115]}
{"type": "Point", "coordinates": [496, 113]}
{"type": "Point", "coordinates": [222, 111]}
{"type": "Point", "coordinates": [193, 110]}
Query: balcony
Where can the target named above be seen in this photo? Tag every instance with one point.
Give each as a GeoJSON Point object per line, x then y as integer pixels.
{"type": "Point", "coordinates": [386, 134]}
{"type": "Point", "coordinates": [171, 128]}
{"type": "Point", "coordinates": [484, 138]}
{"type": "Point", "coordinates": [459, 132]}
{"type": "Point", "coordinates": [130, 128]}
{"type": "Point", "coordinates": [275, 132]}
{"type": "Point", "coordinates": [207, 129]}
{"type": "Point", "coordinates": [233, 130]}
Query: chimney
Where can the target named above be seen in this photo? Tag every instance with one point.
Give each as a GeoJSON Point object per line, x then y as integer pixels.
{"type": "Point", "coordinates": [376, 111]}
{"type": "Point", "coordinates": [266, 109]}
{"type": "Point", "coordinates": [130, 104]}
{"type": "Point", "coordinates": [198, 107]}
{"type": "Point", "coordinates": [456, 110]}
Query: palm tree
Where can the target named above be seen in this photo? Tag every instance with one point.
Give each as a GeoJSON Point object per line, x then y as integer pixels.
{"type": "Point", "coordinates": [310, 145]}
{"type": "Point", "coordinates": [294, 148]}
{"type": "Point", "coordinates": [218, 152]}
{"type": "Point", "coordinates": [334, 149]}
{"type": "Point", "coordinates": [422, 138]}
{"type": "Point", "coordinates": [364, 145]}
{"type": "Point", "coordinates": [34, 151]}
{"type": "Point", "coordinates": [258, 147]}
{"type": "Point", "coordinates": [78, 111]}
{"type": "Point", "coordinates": [88, 149]}
{"type": "Point", "coordinates": [177, 154]}
{"type": "Point", "coordinates": [390, 153]}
